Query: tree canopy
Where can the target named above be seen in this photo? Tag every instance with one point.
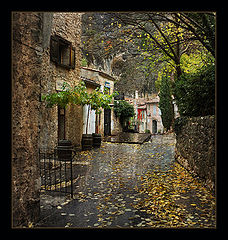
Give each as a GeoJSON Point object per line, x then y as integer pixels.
{"type": "Point", "coordinates": [152, 43]}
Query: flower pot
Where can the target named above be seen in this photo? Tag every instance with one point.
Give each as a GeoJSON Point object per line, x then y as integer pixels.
{"type": "Point", "coordinates": [87, 141]}
{"type": "Point", "coordinates": [96, 139]}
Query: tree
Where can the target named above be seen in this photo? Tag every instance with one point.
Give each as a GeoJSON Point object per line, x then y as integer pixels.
{"type": "Point", "coordinates": [202, 26]}
{"type": "Point", "coordinates": [156, 41]}
{"type": "Point", "coordinates": [173, 34]}
{"type": "Point", "coordinates": [195, 92]}
{"type": "Point", "coordinates": [107, 41]}
{"type": "Point", "coordinates": [123, 110]}
{"type": "Point", "coordinates": [165, 104]}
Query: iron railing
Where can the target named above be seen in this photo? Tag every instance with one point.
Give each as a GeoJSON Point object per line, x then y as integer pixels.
{"type": "Point", "coordinates": [56, 170]}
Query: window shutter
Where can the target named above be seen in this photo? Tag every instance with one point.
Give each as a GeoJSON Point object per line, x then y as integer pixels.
{"type": "Point", "coordinates": [65, 56]}
{"type": "Point", "coordinates": [72, 58]}
{"type": "Point", "coordinates": [54, 49]}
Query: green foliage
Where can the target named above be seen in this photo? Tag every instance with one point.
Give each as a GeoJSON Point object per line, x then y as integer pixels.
{"type": "Point", "coordinates": [165, 104]}
{"type": "Point", "coordinates": [84, 62]}
{"type": "Point", "coordinates": [75, 95]}
{"type": "Point", "coordinates": [147, 131]}
{"type": "Point", "coordinates": [195, 93]}
{"type": "Point", "coordinates": [179, 123]}
{"type": "Point", "coordinates": [192, 62]}
{"type": "Point", "coordinates": [78, 95]}
{"type": "Point", "coordinates": [123, 110]}
{"type": "Point", "coordinates": [98, 100]}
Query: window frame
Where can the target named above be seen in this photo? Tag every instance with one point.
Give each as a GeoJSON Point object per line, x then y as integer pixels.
{"type": "Point", "coordinates": [57, 43]}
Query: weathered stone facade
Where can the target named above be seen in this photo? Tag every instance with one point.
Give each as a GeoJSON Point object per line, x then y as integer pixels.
{"type": "Point", "coordinates": [34, 125]}
{"type": "Point", "coordinates": [195, 147]}
{"type": "Point", "coordinates": [68, 26]}
{"type": "Point", "coordinates": [27, 50]}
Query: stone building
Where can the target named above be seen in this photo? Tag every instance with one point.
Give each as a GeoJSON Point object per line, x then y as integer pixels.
{"type": "Point", "coordinates": [105, 123]}
{"type": "Point", "coordinates": [61, 63]}
{"type": "Point", "coordinates": [28, 44]}
{"type": "Point", "coordinates": [148, 114]}
{"type": "Point", "coordinates": [45, 53]}
{"type": "Point", "coordinates": [154, 120]}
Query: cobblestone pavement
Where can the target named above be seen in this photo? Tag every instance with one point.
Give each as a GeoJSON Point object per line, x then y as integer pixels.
{"type": "Point", "coordinates": [131, 185]}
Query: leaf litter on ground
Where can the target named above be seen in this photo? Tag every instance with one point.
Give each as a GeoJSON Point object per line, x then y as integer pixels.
{"type": "Point", "coordinates": [166, 198]}
{"type": "Point", "coordinates": [176, 199]}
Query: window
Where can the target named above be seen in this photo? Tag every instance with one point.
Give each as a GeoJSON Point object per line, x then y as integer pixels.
{"type": "Point", "coordinates": [61, 52]}
{"type": "Point", "coordinates": [107, 87]}
{"type": "Point", "coordinates": [154, 110]}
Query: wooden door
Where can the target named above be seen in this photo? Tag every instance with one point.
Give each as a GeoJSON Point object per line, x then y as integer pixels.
{"type": "Point", "coordinates": [107, 122]}
{"type": "Point", "coordinates": [61, 123]}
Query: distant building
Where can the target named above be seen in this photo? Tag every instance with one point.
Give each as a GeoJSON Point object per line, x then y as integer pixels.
{"type": "Point", "coordinates": [154, 120]}
{"type": "Point", "coordinates": [148, 114]}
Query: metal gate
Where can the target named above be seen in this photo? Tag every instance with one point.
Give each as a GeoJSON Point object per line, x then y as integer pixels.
{"type": "Point", "coordinates": [55, 171]}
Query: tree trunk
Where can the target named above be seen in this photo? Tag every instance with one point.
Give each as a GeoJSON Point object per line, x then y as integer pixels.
{"type": "Point", "coordinates": [178, 70]}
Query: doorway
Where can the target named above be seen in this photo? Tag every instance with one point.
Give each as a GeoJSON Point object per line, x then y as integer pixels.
{"type": "Point", "coordinates": [61, 123]}
{"type": "Point", "coordinates": [154, 126]}
{"type": "Point", "coordinates": [107, 122]}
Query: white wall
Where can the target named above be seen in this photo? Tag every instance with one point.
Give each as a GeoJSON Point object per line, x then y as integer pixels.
{"type": "Point", "coordinates": [91, 120]}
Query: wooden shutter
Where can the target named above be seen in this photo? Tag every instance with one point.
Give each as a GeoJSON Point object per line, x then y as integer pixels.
{"type": "Point", "coordinates": [65, 55]}
{"type": "Point", "coordinates": [72, 58]}
{"type": "Point", "coordinates": [54, 49]}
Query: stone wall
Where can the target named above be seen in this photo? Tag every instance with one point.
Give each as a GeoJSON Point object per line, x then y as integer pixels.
{"type": "Point", "coordinates": [68, 26]}
{"type": "Point", "coordinates": [34, 125]}
{"type": "Point", "coordinates": [195, 147]}
{"type": "Point", "coordinates": [27, 50]}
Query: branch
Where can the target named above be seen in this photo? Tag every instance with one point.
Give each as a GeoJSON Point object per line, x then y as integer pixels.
{"type": "Point", "coordinates": [209, 48]}
{"type": "Point", "coordinates": [163, 35]}
{"type": "Point", "coordinates": [139, 26]}
{"type": "Point", "coordinates": [192, 21]}
{"type": "Point", "coordinates": [158, 44]}
{"type": "Point", "coordinates": [186, 49]}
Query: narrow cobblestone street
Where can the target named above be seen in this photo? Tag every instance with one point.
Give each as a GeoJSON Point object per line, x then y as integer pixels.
{"type": "Point", "coordinates": [130, 185]}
